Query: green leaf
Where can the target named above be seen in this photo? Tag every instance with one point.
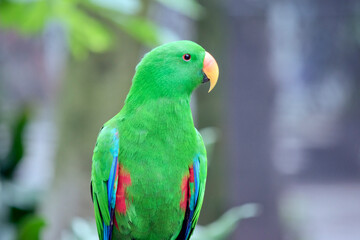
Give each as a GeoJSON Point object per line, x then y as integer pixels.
{"type": "Point", "coordinates": [85, 21]}
{"type": "Point", "coordinates": [26, 17]}
{"type": "Point", "coordinates": [85, 32]}
{"type": "Point", "coordinates": [141, 29]}
{"type": "Point", "coordinates": [130, 7]}
{"type": "Point", "coordinates": [30, 228]}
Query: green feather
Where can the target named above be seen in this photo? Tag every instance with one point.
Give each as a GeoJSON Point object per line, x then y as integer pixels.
{"type": "Point", "coordinates": [158, 142]}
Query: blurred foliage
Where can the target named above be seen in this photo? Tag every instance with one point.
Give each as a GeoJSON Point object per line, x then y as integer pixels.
{"type": "Point", "coordinates": [217, 230]}
{"type": "Point", "coordinates": [31, 228]}
{"type": "Point", "coordinates": [9, 162]}
{"type": "Point", "coordinates": [84, 20]}
{"type": "Point", "coordinates": [17, 211]}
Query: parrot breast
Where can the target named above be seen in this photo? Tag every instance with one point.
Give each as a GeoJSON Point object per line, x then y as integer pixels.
{"type": "Point", "coordinates": [154, 174]}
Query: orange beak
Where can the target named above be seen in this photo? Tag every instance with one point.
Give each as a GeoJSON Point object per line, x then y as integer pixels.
{"type": "Point", "coordinates": [211, 70]}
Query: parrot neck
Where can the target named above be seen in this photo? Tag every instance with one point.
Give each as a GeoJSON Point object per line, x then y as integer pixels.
{"type": "Point", "coordinates": [149, 98]}
{"type": "Point", "coordinates": [171, 112]}
{"type": "Point", "coordinates": [145, 90]}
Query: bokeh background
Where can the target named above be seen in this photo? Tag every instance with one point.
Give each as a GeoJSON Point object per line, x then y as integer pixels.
{"type": "Point", "coordinates": [282, 126]}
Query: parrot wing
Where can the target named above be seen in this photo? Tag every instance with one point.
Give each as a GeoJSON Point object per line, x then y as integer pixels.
{"type": "Point", "coordinates": [104, 180]}
{"type": "Point", "coordinates": [196, 190]}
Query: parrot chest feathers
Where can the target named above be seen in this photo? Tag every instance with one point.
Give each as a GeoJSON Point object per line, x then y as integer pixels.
{"type": "Point", "coordinates": [157, 147]}
{"type": "Point", "coordinates": [164, 126]}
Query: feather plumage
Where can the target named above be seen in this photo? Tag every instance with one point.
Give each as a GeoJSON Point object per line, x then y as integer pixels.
{"type": "Point", "coordinates": [145, 152]}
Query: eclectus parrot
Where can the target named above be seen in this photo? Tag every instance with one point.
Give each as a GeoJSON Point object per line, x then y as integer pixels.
{"type": "Point", "coordinates": [149, 164]}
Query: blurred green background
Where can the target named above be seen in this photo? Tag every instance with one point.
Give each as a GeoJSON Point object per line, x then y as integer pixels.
{"type": "Point", "coordinates": [282, 126]}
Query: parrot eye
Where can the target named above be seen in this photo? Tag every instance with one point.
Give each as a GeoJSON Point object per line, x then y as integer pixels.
{"type": "Point", "coordinates": [187, 57]}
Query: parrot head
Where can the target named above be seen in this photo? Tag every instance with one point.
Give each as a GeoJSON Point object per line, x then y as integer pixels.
{"type": "Point", "coordinates": [174, 69]}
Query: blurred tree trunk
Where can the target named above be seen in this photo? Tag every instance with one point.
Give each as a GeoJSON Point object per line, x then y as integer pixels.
{"type": "Point", "coordinates": [250, 105]}
{"type": "Point", "coordinates": [94, 91]}
{"type": "Point", "coordinates": [332, 53]}
{"type": "Point", "coordinates": [210, 109]}
{"type": "Point", "coordinates": [249, 174]}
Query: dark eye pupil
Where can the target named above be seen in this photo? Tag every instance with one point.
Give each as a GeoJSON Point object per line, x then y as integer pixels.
{"type": "Point", "coordinates": [187, 57]}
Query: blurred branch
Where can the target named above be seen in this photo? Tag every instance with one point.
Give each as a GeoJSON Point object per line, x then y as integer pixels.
{"type": "Point", "coordinates": [226, 224]}
{"type": "Point", "coordinates": [189, 8]}
{"type": "Point", "coordinates": [82, 229]}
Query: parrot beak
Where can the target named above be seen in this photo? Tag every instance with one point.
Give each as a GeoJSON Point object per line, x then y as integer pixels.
{"type": "Point", "coordinates": [211, 70]}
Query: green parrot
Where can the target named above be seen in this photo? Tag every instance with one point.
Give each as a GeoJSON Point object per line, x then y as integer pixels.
{"type": "Point", "coordinates": [149, 164]}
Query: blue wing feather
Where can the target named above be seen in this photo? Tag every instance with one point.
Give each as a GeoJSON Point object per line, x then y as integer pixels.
{"type": "Point", "coordinates": [112, 184]}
